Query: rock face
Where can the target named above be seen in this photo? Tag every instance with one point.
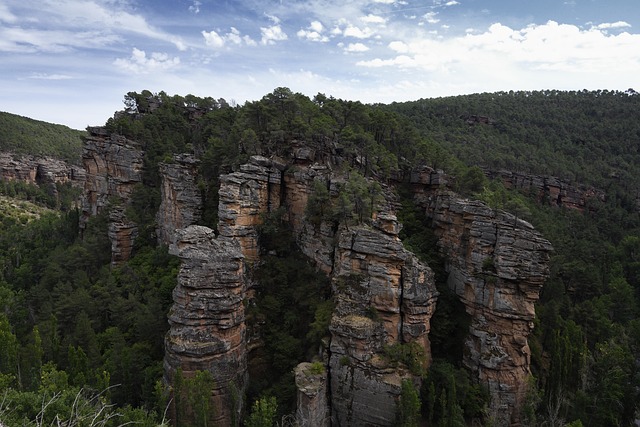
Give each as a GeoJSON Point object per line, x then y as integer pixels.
{"type": "Point", "coordinates": [207, 329]}
{"type": "Point", "coordinates": [384, 297]}
{"type": "Point", "coordinates": [313, 407]}
{"type": "Point", "coordinates": [246, 195]}
{"type": "Point", "coordinates": [45, 172]}
{"type": "Point", "coordinates": [122, 233]}
{"type": "Point", "coordinates": [550, 190]}
{"type": "Point", "coordinates": [37, 170]}
{"type": "Point", "coordinates": [181, 201]}
{"type": "Point", "coordinates": [113, 166]}
{"type": "Point", "coordinates": [497, 265]}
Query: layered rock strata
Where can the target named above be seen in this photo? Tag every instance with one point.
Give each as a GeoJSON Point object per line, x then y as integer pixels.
{"type": "Point", "coordinates": [181, 200]}
{"type": "Point", "coordinates": [550, 190]}
{"type": "Point", "coordinates": [113, 166]}
{"type": "Point", "coordinates": [207, 323]}
{"type": "Point", "coordinates": [245, 196]}
{"type": "Point", "coordinates": [37, 170]}
{"type": "Point", "coordinates": [384, 297]}
{"type": "Point", "coordinates": [45, 172]}
{"type": "Point", "coordinates": [497, 265]}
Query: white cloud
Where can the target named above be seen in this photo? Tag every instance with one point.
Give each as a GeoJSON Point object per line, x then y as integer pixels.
{"type": "Point", "coordinates": [215, 40]}
{"type": "Point", "coordinates": [430, 17]}
{"type": "Point", "coordinates": [399, 46]}
{"type": "Point", "coordinates": [195, 7]}
{"type": "Point", "coordinates": [606, 26]}
{"type": "Point", "coordinates": [507, 55]}
{"type": "Point", "coordinates": [316, 26]}
{"type": "Point", "coordinates": [359, 33]}
{"type": "Point", "coordinates": [45, 76]}
{"type": "Point", "coordinates": [373, 19]}
{"type": "Point", "coordinates": [109, 19]}
{"type": "Point", "coordinates": [313, 32]}
{"type": "Point", "coordinates": [272, 34]}
{"type": "Point", "coordinates": [16, 39]}
{"type": "Point", "coordinates": [6, 15]}
{"type": "Point", "coordinates": [140, 63]}
{"type": "Point", "coordinates": [451, 3]}
{"type": "Point", "coordinates": [356, 48]}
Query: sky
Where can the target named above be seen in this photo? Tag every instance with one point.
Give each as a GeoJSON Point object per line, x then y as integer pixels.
{"type": "Point", "coordinates": [72, 61]}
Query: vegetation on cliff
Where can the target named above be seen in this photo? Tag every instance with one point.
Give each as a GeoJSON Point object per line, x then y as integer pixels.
{"type": "Point", "coordinates": [70, 325]}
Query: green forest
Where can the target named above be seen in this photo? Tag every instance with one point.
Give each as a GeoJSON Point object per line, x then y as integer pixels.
{"type": "Point", "coordinates": [81, 342]}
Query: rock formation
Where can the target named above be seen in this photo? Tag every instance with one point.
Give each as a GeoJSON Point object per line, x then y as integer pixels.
{"type": "Point", "coordinates": [549, 189]}
{"type": "Point", "coordinates": [113, 166]}
{"type": "Point", "coordinates": [384, 297]}
{"type": "Point", "coordinates": [312, 404]}
{"type": "Point", "coordinates": [44, 172]}
{"type": "Point", "coordinates": [246, 195]}
{"type": "Point", "coordinates": [181, 201]}
{"type": "Point", "coordinates": [207, 329]}
{"type": "Point", "coordinates": [497, 265]}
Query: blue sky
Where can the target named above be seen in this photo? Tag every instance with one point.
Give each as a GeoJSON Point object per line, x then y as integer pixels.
{"type": "Point", "coordinates": [72, 61]}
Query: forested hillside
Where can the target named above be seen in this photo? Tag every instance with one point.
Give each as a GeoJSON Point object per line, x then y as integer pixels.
{"type": "Point", "coordinates": [83, 338]}
{"type": "Point", "coordinates": [587, 343]}
{"type": "Point", "coordinates": [22, 135]}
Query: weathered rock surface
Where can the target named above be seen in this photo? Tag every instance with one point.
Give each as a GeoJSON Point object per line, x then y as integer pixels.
{"type": "Point", "coordinates": [497, 265]}
{"type": "Point", "coordinates": [207, 329]}
{"type": "Point", "coordinates": [113, 166]}
{"type": "Point", "coordinates": [245, 196]}
{"type": "Point", "coordinates": [181, 201]}
{"type": "Point", "coordinates": [45, 172]}
{"type": "Point", "coordinates": [122, 233]}
{"type": "Point", "coordinates": [36, 170]}
{"type": "Point", "coordinates": [384, 296]}
{"type": "Point", "coordinates": [549, 189]}
{"type": "Point", "coordinates": [312, 404]}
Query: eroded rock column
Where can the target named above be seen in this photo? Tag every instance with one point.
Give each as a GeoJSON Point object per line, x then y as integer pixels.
{"type": "Point", "coordinates": [207, 328]}
{"type": "Point", "coordinates": [497, 265]}
{"type": "Point", "coordinates": [384, 296]}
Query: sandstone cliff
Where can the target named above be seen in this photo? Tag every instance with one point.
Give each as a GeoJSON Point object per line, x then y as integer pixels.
{"type": "Point", "coordinates": [384, 295]}
{"type": "Point", "coordinates": [549, 190]}
{"type": "Point", "coordinates": [113, 166]}
{"type": "Point", "coordinates": [389, 302]}
{"type": "Point", "coordinates": [207, 328]}
{"type": "Point", "coordinates": [45, 172]}
{"type": "Point", "coordinates": [497, 265]}
{"type": "Point", "coordinates": [181, 201]}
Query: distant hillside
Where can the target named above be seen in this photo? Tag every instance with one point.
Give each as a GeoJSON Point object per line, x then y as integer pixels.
{"type": "Point", "coordinates": [23, 135]}
{"type": "Point", "coordinates": [591, 137]}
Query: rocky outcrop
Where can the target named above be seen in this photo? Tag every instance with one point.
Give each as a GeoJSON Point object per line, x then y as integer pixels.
{"type": "Point", "coordinates": [181, 201]}
{"type": "Point", "coordinates": [122, 233]}
{"type": "Point", "coordinates": [497, 265]}
{"type": "Point", "coordinates": [207, 328]}
{"type": "Point", "coordinates": [113, 166]}
{"type": "Point", "coordinates": [246, 195]}
{"type": "Point", "coordinates": [384, 297]}
{"type": "Point", "coordinates": [312, 404]}
{"type": "Point", "coordinates": [38, 170]}
{"type": "Point", "coordinates": [45, 172]}
{"type": "Point", "coordinates": [549, 190]}
{"type": "Point", "coordinates": [390, 301]}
